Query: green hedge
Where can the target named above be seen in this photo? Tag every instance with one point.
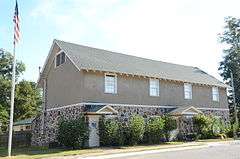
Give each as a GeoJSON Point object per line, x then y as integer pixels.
{"type": "Point", "coordinates": [207, 127]}
{"type": "Point", "coordinates": [137, 130]}
{"type": "Point", "coordinates": [170, 125]}
{"type": "Point", "coordinates": [73, 133]}
{"type": "Point", "coordinates": [115, 133]}
{"type": "Point", "coordinates": [154, 130]}
{"type": "Point", "coordinates": [110, 132]}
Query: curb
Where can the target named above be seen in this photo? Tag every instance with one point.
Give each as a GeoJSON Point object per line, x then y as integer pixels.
{"type": "Point", "coordinates": [143, 152]}
{"type": "Point", "coordinates": [185, 146]}
{"type": "Point", "coordinates": [180, 148]}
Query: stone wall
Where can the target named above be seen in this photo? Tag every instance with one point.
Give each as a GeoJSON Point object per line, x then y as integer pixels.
{"type": "Point", "coordinates": [52, 117]}
{"type": "Point", "coordinates": [224, 115]}
{"type": "Point", "coordinates": [37, 135]}
{"type": "Point", "coordinates": [51, 120]}
{"type": "Point", "coordinates": [185, 124]}
{"type": "Point", "coordinates": [125, 111]}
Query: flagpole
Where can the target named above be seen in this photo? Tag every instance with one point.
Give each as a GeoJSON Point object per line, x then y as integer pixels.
{"type": "Point", "coordinates": [12, 103]}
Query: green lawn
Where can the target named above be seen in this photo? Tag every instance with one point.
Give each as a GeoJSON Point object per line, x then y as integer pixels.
{"type": "Point", "coordinates": [43, 152]}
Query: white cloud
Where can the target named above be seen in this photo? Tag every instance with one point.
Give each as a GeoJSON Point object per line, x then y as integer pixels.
{"type": "Point", "coordinates": [183, 32]}
{"type": "Point", "coordinates": [45, 8]}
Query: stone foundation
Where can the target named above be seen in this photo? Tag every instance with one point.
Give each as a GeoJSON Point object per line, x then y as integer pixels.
{"type": "Point", "coordinates": [224, 114]}
{"type": "Point", "coordinates": [43, 135]}
{"type": "Point", "coordinates": [125, 111]}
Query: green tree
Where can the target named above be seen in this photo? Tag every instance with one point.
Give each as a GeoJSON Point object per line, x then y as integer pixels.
{"type": "Point", "coordinates": [27, 96]}
{"type": "Point", "coordinates": [6, 60]}
{"type": "Point", "coordinates": [5, 86]}
{"type": "Point", "coordinates": [27, 100]}
{"type": "Point", "coordinates": [231, 61]}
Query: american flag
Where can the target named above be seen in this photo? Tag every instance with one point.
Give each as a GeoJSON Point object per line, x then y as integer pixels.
{"type": "Point", "coordinates": [16, 25]}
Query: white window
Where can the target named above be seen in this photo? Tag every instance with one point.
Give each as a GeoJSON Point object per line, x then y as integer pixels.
{"type": "Point", "coordinates": [60, 59]}
{"type": "Point", "coordinates": [187, 91]}
{"type": "Point", "coordinates": [215, 94]}
{"type": "Point", "coordinates": [110, 83]}
{"type": "Point", "coordinates": [154, 87]}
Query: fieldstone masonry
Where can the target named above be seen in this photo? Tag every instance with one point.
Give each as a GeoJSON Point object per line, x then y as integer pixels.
{"type": "Point", "coordinates": [125, 111]}
{"type": "Point", "coordinates": [53, 116]}
{"type": "Point", "coordinates": [51, 119]}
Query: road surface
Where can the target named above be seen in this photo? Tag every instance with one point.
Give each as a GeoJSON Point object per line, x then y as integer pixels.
{"type": "Point", "coordinates": [226, 151]}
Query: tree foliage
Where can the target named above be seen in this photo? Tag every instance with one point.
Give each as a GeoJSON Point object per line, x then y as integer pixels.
{"type": "Point", "coordinates": [27, 100]}
{"type": "Point", "coordinates": [6, 60]}
{"type": "Point", "coordinates": [27, 96]}
{"type": "Point", "coordinates": [231, 61]}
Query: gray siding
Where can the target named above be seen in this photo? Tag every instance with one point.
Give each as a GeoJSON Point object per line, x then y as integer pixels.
{"type": "Point", "coordinates": [66, 85]}
{"type": "Point", "coordinates": [135, 90]}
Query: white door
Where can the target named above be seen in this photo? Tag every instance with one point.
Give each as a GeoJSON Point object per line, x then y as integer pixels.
{"type": "Point", "coordinates": [93, 130]}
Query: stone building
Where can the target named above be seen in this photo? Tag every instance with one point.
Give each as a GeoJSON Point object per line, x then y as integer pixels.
{"type": "Point", "coordinates": [79, 80]}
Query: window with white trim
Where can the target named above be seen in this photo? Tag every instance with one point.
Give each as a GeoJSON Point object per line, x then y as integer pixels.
{"type": "Point", "coordinates": [187, 91]}
{"type": "Point", "coordinates": [215, 94]}
{"type": "Point", "coordinates": [110, 83]}
{"type": "Point", "coordinates": [153, 87]}
{"type": "Point", "coordinates": [60, 59]}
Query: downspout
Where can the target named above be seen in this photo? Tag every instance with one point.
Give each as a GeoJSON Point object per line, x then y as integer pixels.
{"type": "Point", "coordinates": [44, 105]}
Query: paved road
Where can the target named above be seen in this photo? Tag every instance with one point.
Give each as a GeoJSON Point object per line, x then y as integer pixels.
{"type": "Point", "coordinates": [227, 151]}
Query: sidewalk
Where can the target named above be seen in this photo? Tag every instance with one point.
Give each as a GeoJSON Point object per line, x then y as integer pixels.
{"type": "Point", "coordinates": [138, 150]}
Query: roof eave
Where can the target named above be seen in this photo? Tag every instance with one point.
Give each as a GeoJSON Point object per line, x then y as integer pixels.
{"type": "Point", "coordinates": [223, 85]}
{"type": "Point", "coordinates": [41, 74]}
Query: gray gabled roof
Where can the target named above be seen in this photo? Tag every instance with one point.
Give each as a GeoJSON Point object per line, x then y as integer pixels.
{"type": "Point", "coordinates": [182, 109]}
{"type": "Point", "coordinates": [93, 108]}
{"type": "Point", "coordinates": [23, 122]}
{"type": "Point", "coordinates": [97, 59]}
{"type": "Point", "coordinates": [99, 109]}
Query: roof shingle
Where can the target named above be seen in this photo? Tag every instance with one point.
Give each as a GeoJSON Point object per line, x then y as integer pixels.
{"type": "Point", "coordinates": [85, 57]}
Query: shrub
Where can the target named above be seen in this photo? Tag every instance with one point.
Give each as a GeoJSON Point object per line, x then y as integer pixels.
{"type": "Point", "coordinates": [219, 127]}
{"type": "Point", "coordinates": [154, 130]}
{"type": "Point", "coordinates": [202, 126]}
{"type": "Point", "coordinates": [110, 132]}
{"type": "Point", "coordinates": [73, 133]}
{"type": "Point", "coordinates": [229, 132]}
{"type": "Point", "coordinates": [210, 127]}
{"type": "Point", "coordinates": [135, 129]}
{"type": "Point", "coordinates": [170, 125]}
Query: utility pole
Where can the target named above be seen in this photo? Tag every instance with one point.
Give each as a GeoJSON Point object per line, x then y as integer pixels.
{"type": "Point", "coordinates": [235, 125]}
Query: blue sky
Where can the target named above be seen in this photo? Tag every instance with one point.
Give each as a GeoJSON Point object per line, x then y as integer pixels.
{"type": "Point", "coordinates": [183, 32]}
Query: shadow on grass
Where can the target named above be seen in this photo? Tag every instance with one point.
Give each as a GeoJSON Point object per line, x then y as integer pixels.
{"type": "Point", "coordinates": [29, 151]}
